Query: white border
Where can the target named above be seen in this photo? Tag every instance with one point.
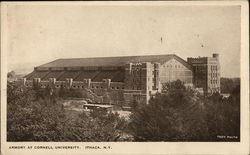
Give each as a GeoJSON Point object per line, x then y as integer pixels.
{"type": "Point", "coordinates": [136, 147]}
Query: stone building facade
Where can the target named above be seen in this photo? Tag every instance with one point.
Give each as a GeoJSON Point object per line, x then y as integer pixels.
{"type": "Point", "coordinates": [206, 71]}
{"type": "Point", "coordinates": [125, 80]}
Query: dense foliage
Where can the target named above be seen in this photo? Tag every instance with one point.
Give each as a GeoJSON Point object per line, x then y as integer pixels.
{"type": "Point", "coordinates": [11, 74]}
{"type": "Point", "coordinates": [181, 114]}
{"type": "Point", "coordinates": [35, 115]}
{"type": "Point", "coordinates": [177, 113]}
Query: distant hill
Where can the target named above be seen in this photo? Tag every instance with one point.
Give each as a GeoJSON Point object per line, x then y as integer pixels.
{"type": "Point", "coordinates": [23, 71]}
{"type": "Point", "coordinates": [13, 76]}
{"type": "Point", "coordinates": [23, 68]}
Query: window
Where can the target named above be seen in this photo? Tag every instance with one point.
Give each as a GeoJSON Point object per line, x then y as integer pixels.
{"type": "Point", "coordinates": [117, 88]}
{"type": "Point", "coordinates": [96, 87]}
{"type": "Point", "coordinates": [112, 87]}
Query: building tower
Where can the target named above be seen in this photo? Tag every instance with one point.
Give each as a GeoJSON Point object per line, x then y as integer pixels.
{"type": "Point", "coordinates": [206, 71]}
{"type": "Point", "coordinates": [141, 81]}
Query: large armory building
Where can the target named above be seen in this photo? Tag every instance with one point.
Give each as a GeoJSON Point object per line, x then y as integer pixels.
{"type": "Point", "coordinates": [123, 80]}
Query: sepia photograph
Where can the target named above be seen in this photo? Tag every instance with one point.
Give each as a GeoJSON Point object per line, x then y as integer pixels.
{"type": "Point", "coordinates": [123, 73]}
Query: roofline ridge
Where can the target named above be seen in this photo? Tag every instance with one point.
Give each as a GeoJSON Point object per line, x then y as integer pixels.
{"type": "Point", "coordinates": [117, 56]}
{"type": "Point", "coordinates": [176, 56]}
{"type": "Point", "coordinates": [119, 60]}
{"type": "Point", "coordinates": [48, 62]}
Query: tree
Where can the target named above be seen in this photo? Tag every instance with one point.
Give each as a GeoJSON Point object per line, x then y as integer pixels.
{"type": "Point", "coordinates": [223, 116]}
{"type": "Point", "coordinates": [98, 126]}
{"type": "Point", "coordinates": [30, 118]}
{"type": "Point", "coordinates": [180, 114]}
{"type": "Point", "coordinates": [174, 115]}
{"type": "Point", "coordinates": [11, 74]}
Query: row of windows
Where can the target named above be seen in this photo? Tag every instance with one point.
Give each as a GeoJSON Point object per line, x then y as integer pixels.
{"type": "Point", "coordinates": [213, 73]}
{"type": "Point", "coordinates": [214, 68]}
{"type": "Point", "coordinates": [136, 72]}
{"type": "Point", "coordinates": [136, 68]}
{"type": "Point", "coordinates": [214, 81]}
{"type": "Point", "coordinates": [177, 73]}
{"type": "Point", "coordinates": [44, 85]}
{"type": "Point", "coordinates": [213, 78]}
{"type": "Point", "coordinates": [200, 68]}
{"type": "Point", "coordinates": [57, 86]}
{"type": "Point", "coordinates": [79, 87]}
{"type": "Point", "coordinates": [173, 66]}
{"type": "Point", "coordinates": [100, 87]}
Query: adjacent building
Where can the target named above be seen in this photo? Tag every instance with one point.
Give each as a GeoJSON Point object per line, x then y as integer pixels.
{"type": "Point", "coordinates": [127, 79]}
{"type": "Point", "coordinates": [206, 73]}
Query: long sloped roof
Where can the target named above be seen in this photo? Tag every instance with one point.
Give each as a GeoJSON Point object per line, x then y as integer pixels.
{"type": "Point", "coordinates": [96, 76]}
{"type": "Point", "coordinates": [112, 61]}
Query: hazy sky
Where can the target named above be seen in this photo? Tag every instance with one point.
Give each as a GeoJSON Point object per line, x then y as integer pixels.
{"type": "Point", "coordinates": [39, 34]}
